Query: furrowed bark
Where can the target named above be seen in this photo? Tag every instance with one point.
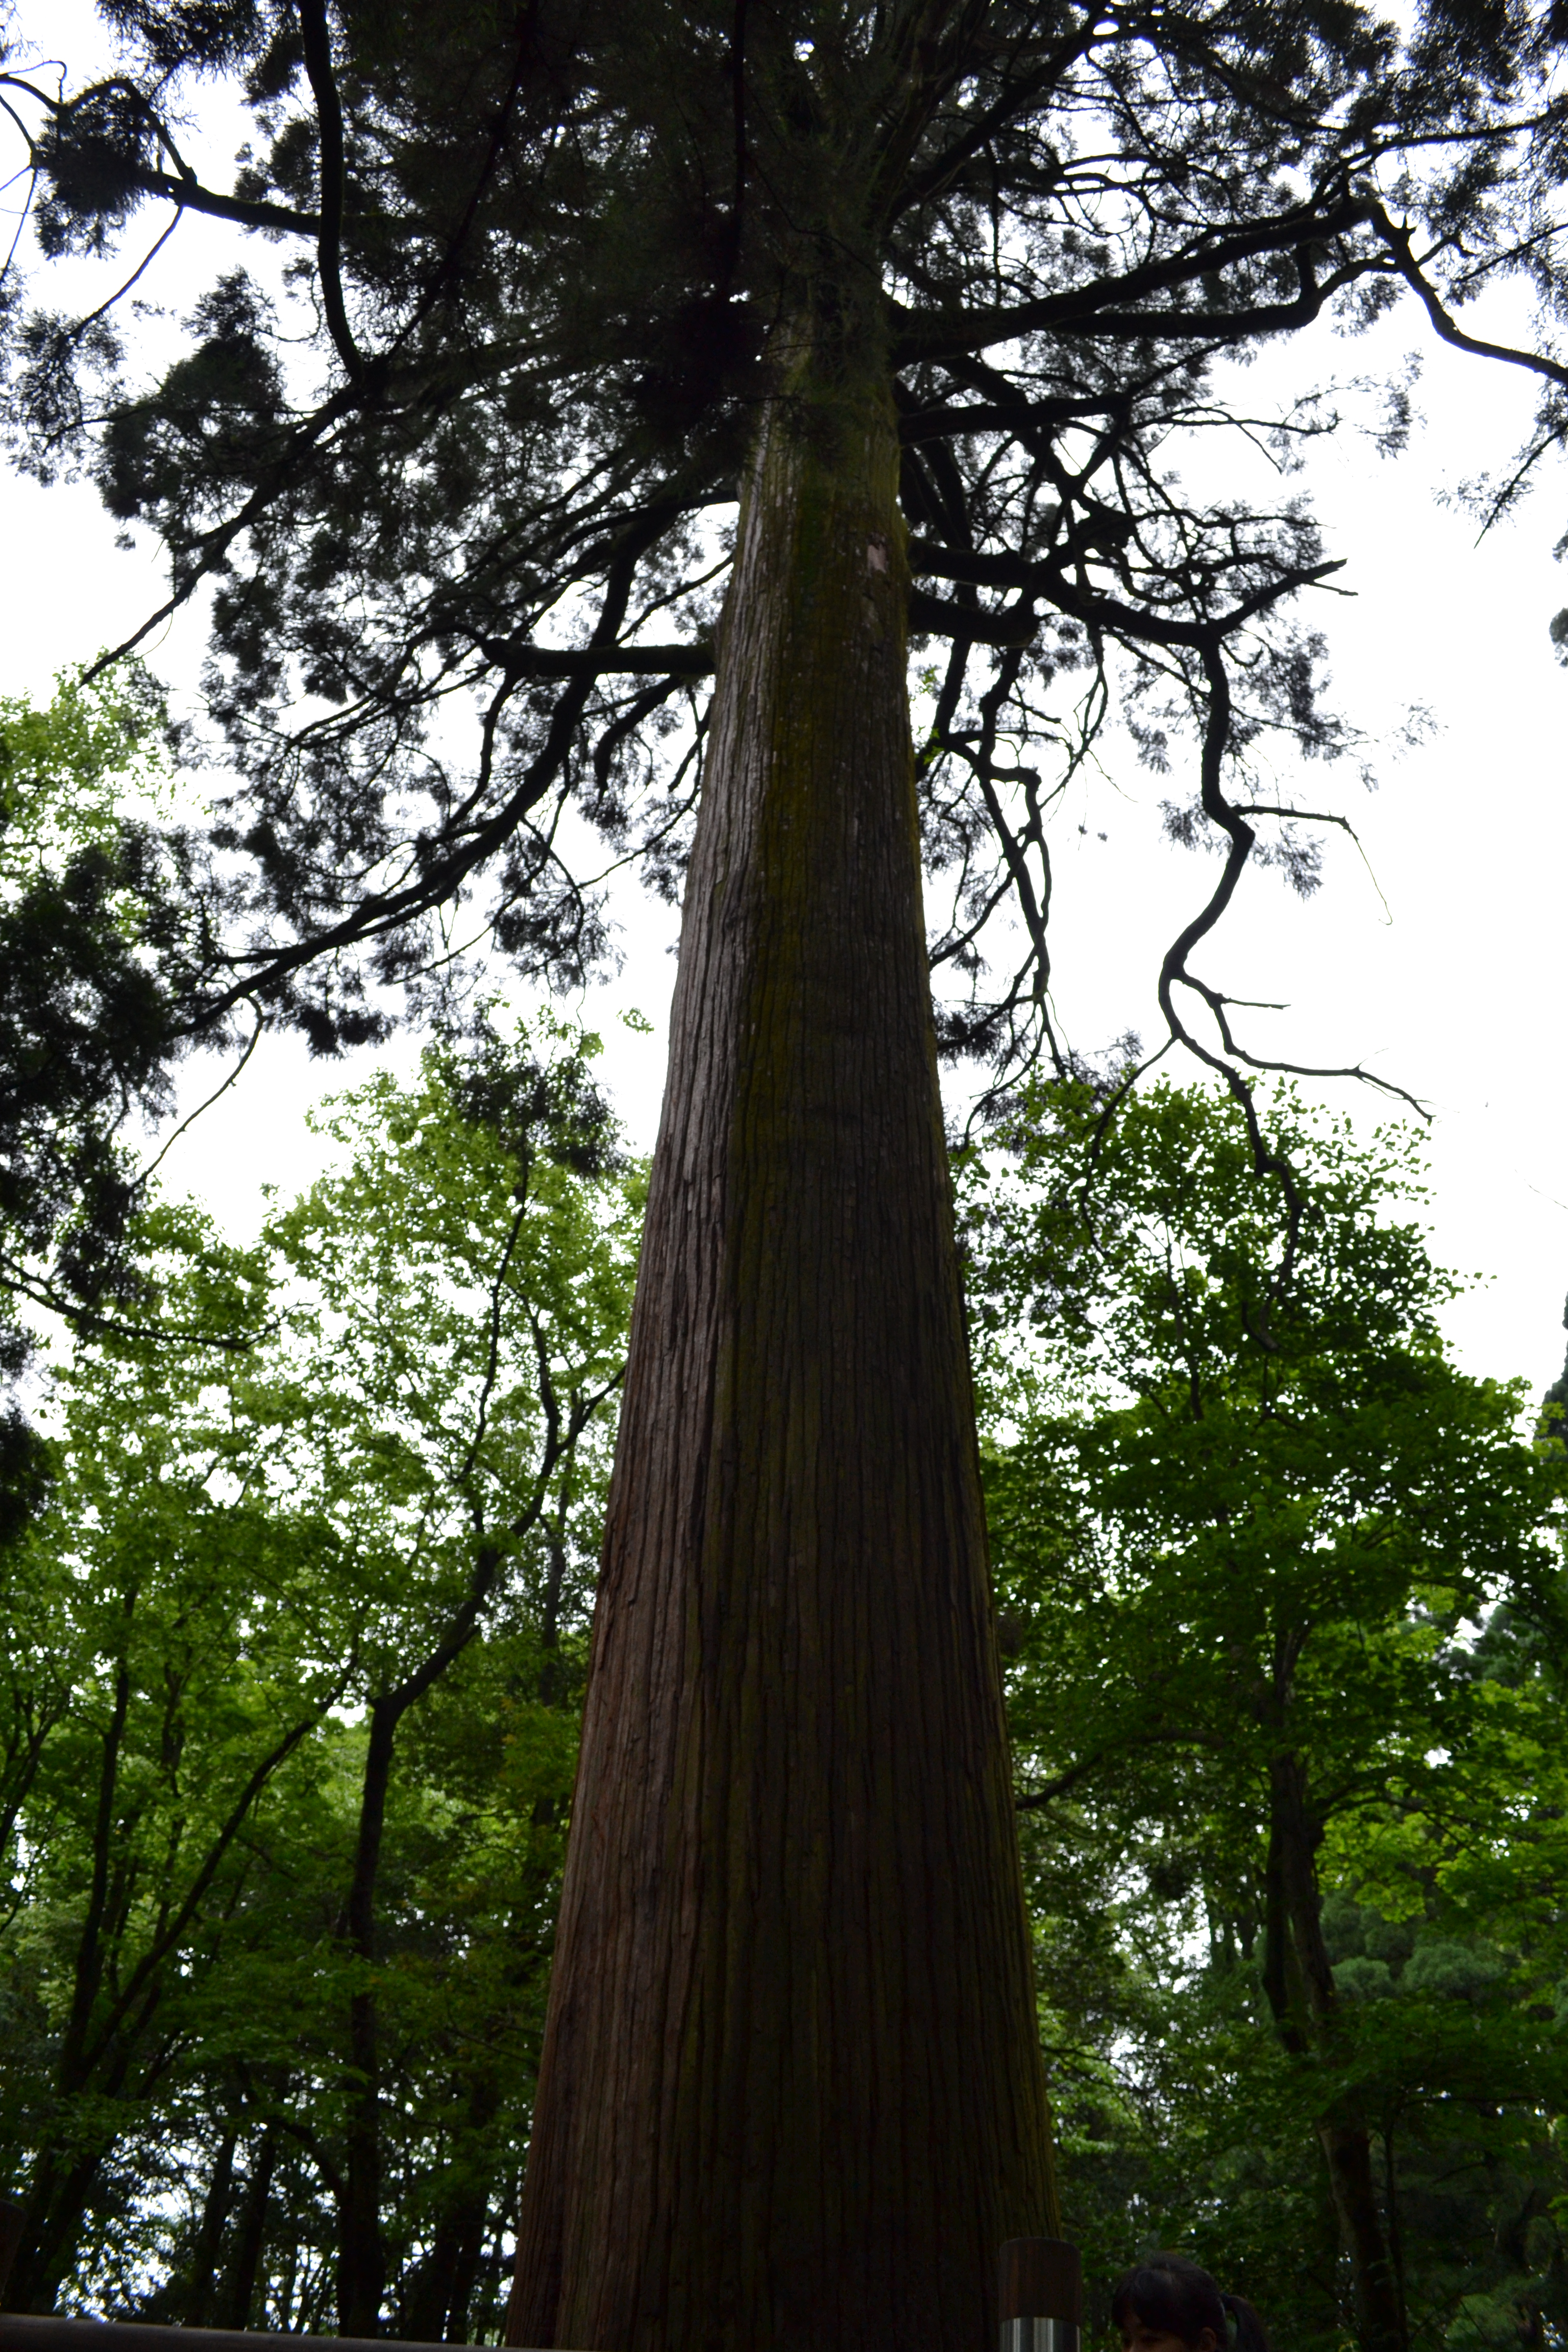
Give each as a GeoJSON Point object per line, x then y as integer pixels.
{"type": "Point", "coordinates": [790, 2092]}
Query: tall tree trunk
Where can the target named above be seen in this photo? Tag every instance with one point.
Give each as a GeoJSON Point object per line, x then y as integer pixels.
{"type": "Point", "coordinates": [63, 2174]}
{"type": "Point", "coordinates": [12, 2222]}
{"type": "Point", "coordinates": [790, 2092]}
{"type": "Point", "coordinates": [1299, 1982]}
{"type": "Point", "coordinates": [466, 2276]}
{"type": "Point", "coordinates": [444, 2288]}
{"type": "Point", "coordinates": [362, 2247]}
{"type": "Point", "coordinates": [1395, 2234]}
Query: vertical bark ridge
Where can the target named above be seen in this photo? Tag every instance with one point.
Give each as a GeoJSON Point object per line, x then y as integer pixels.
{"type": "Point", "coordinates": [791, 2091]}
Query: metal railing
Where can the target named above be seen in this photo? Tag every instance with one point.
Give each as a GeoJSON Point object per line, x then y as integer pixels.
{"type": "Point", "coordinates": [29, 2331]}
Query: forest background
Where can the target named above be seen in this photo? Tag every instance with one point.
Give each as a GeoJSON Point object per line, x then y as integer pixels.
{"type": "Point", "coordinates": [1450, 1983]}
{"type": "Point", "coordinates": [296, 1646]}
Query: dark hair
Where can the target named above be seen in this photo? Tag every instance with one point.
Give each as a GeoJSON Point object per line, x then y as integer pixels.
{"type": "Point", "coordinates": [1168, 2292]}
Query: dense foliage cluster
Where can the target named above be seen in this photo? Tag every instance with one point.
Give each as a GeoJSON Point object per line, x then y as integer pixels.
{"type": "Point", "coordinates": [1285, 1596]}
{"type": "Point", "coordinates": [291, 1664]}
{"type": "Point", "coordinates": [1235, 1525]}
{"type": "Point", "coordinates": [456, 439]}
{"type": "Point", "coordinates": [95, 929]}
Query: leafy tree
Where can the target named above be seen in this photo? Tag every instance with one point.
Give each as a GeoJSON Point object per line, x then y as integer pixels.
{"type": "Point", "coordinates": [1253, 1522]}
{"type": "Point", "coordinates": [94, 931]}
{"type": "Point", "coordinates": [943, 288]}
{"type": "Point", "coordinates": [264, 1572]}
{"type": "Point", "coordinates": [1183, 2121]}
{"type": "Point", "coordinates": [168, 1680]}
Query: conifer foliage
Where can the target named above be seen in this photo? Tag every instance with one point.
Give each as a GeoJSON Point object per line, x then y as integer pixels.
{"type": "Point", "coordinates": [511, 290]}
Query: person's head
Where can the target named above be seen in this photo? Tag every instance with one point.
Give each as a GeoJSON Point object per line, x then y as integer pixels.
{"type": "Point", "coordinates": [1167, 2304]}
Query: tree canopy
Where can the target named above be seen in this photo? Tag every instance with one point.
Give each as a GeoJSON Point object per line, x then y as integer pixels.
{"type": "Point", "coordinates": [452, 441]}
{"type": "Point", "coordinates": [275, 1542]}
{"type": "Point", "coordinates": [287, 1726]}
{"type": "Point", "coordinates": [1286, 1592]}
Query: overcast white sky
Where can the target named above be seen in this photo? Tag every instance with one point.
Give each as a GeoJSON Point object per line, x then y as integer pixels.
{"type": "Point", "coordinates": [1447, 976]}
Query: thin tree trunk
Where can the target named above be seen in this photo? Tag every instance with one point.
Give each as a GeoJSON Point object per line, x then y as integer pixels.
{"type": "Point", "coordinates": [1379, 2322]}
{"type": "Point", "coordinates": [466, 2274]}
{"type": "Point", "coordinates": [361, 2249]}
{"type": "Point", "coordinates": [209, 2236]}
{"type": "Point", "coordinates": [1395, 2234]}
{"type": "Point", "coordinates": [443, 2287]}
{"type": "Point", "coordinates": [90, 1954]}
{"type": "Point", "coordinates": [792, 2092]}
{"type": "Point", "coordinates": [12, 2220]}
{"type": "Point", "coordinates": [249, 2236]}
{"type": "Point", "coordinates": [1299, 1982]}
{"type": "Point", "coordinates": [362, 2253]}
{"type": "Point", "coordinates": [430, 2294]}
{"type": "Point", "coordinates": [55, 2209]}
{"type": "Point", "coordinates": [443, 2290]}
